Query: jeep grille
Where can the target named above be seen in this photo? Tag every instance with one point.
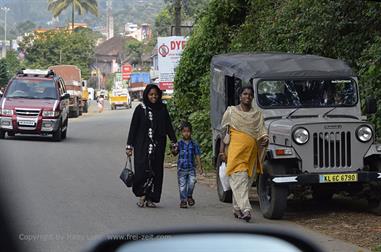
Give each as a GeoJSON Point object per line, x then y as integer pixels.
{"type": "Point", "coordinates": [332, 149]}
{"type": "Point", "coordinates": [27, 112]}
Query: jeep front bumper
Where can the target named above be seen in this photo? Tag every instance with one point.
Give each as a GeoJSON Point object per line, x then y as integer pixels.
{"type": "Point", "coordinates": [28, 125]}
{"type": "Point", "coordinates": [328, 178]}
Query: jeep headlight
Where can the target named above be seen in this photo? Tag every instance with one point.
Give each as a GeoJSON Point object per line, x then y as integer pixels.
{"type": "Point", "coordinates": [301, 136]}
{"type": "Point", "coordinates": [7, 112]}
{"type": "Point", "coordinates": [364, 133]}
{"type": "Point", "coordinates": [50, 113]}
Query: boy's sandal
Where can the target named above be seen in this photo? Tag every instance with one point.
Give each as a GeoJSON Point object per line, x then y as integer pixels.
{"type": "Point", "coordinates": [183, 204]}
{"type": "Point", "coordinates": [191, 202]}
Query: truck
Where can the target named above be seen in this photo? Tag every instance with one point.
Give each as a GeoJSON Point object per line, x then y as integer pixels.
{"type": "Point", "coordinates": [320, 141]}
{"type": "Point", "coordinates": [120, 98]}
{"type": "Point", "coordinates": [72, 77]}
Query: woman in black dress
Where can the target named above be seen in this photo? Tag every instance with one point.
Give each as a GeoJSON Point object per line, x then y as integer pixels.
{"type": "Point", "coordinates": [150, 126]}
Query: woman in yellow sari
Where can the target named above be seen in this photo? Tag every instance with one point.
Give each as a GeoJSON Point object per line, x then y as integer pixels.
{"type": "Point", "coordinates": [248, 139]}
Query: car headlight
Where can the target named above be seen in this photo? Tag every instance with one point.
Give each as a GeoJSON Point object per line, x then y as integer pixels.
{"type": "Point", "coordinates": [50, 113]}
{"type": "Point", "coordinates": [301, 136]}
{"type": "Point", "coordinates": [7, 112]}
{"type": "Point", "coordinates": [364, 133]}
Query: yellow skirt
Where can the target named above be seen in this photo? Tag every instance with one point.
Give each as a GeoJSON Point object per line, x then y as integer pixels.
{"type": "Point", "coordinates": [243, 154]}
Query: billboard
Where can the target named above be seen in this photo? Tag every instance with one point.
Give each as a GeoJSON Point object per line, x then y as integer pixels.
{"type": "Point", "coordinates": [169, 54]}
{"type": "Point", "coordinates": [141, 77]}
{"type": "Point", "coordinates": [126, 71]}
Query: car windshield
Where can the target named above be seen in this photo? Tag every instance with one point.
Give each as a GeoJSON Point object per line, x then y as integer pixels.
{"type": "Point", "coordinates": [32, 89]}
{"type": "Point", "coordinates": [306, 93]}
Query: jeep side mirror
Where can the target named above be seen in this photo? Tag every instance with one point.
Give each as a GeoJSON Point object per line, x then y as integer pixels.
{"type": "Point", "coordinates": [370, 105]}
{"type": "Point", "coordinates": [65, 96]}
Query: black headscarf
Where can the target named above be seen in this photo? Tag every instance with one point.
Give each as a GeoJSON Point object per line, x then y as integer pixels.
{"type": "Point", "coordinates": [156, 105]}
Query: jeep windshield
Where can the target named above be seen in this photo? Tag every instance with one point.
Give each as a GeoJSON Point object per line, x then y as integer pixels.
{"type": "Point", "coordinates": [32, 89]}
{"type": "Point", "coordinates": [306, 93]}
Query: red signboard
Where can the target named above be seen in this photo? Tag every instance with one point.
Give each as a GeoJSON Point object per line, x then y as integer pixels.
{"type": "Point", "coordinates": [166, 85]}
{"type": "Point", "coordinates": [126, 71]}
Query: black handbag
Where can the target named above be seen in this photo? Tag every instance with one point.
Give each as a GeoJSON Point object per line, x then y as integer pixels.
{"type": "Point", "coordinates": [127, 175]}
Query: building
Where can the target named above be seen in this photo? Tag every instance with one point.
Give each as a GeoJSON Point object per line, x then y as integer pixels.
{"type": "Point", "coordinates": [141, 34]}
{"type": "Point", "coordinates": [130, 28]}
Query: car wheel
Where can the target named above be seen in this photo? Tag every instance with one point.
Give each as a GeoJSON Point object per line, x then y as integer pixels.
{"type": "Point", "coordinates": [11, 134]}
{"type": "Point", "coordinates": [64, 133]}
{"type": "Point", "coordinates": [224, 196]}
{"type": "Point", "coordinates": [272, 197]}
{"type": "Point", "coordinates": [57, 135]}
{"type": "Point", "coordinates": [2, 134]}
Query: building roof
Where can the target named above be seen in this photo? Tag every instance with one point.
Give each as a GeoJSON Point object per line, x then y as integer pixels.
{"type": "Point", "coordinates": [280, 65]}
{"type": "Point", "coordinates": [111, 47]}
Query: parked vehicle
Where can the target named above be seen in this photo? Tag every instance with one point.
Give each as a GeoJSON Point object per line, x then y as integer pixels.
{"type": "Point", "coordinates": [35, 102]}
{"type": "Point", "coordinates": [73, 83]}
{"type": "Point", "coordinates": [319, 139]}
{"type": "Point", "coordinates": [120, 98]}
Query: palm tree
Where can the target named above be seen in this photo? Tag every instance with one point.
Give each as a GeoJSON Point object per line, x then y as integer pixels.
{"type": "Point", "coordinates": [81, 6]}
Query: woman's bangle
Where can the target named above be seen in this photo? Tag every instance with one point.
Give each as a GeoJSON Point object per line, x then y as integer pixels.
{"type": "Point", "coordinates": [221, 153]}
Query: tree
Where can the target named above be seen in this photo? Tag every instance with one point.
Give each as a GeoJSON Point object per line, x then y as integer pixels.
{"type": "Point", "coordinates": [4, 75]}
{"type": "Point", "coordinates": [60, 47]}
{"type": "Point", "coordinates": [81, 6]}
{"type": "Point", "coordinates": [134, 51]}
{"type": "Point", "coordinates": [326, 28]}
{"type": "Point", "coordinates": [13, 63]}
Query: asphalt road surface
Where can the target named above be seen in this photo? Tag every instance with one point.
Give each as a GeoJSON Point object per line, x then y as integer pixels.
{"type": "Point", "coordinates": [66, 194]}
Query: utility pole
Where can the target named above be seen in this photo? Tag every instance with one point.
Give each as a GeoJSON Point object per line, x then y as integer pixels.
{"type": "Point", "coordinates": [177, 8]}
{"type": "Point", "coordinates": [4, 47]}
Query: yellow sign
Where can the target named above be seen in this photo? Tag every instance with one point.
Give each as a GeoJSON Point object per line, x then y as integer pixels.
{"type": "Point", "coordinates": [336, 178]}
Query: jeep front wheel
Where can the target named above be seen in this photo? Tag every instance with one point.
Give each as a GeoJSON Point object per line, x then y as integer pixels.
{"type": "Point", "coordinates": [57, 135]}
{"type": "Point", "coordinates": [272, 197]}
{"type": "Point", "coordinates": [224, 196]}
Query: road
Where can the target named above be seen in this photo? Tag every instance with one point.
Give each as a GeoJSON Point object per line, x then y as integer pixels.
{"type": "Point", "coordinates": [68, 193]}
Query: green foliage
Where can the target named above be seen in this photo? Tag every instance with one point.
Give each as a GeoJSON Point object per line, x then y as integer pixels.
{"type": "Point", "coordinates": [4, 75]}
{"type": "Point", "coordinates": [13, 63]}
{"type": "Point", "coordinates": [134, 51]}
{"type": "Point", "coordinates": [327, 28]}
{"type": "Point", "coordinates": [163, 22]}
{"type": "Point", "coordinates": [60, 47]}
{"type": "Point", "coordinates": [370, 78]}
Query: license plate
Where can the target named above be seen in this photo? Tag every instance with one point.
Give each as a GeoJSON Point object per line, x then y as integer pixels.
{"type": "Point", "coordinates": [337, 178]}
{"type": "Point", "coordinates": [27, 123]}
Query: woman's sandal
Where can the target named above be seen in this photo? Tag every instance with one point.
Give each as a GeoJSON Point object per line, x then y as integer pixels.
{"type": "Point", "coordinates": [237, 213]}
{"type": "Point", "coordinates": [141, 203]}
{"type": "Point", "coordinates": [150, 204]}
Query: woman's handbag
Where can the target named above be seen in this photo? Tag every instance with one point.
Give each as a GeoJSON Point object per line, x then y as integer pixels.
{"type": "Point", "coordinates": [127, 175]}
{"type": "Point", "coordinates": [226, 139]}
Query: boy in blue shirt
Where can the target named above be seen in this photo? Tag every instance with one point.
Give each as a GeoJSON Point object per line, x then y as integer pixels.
{"type": "Point", "coordinates": [188, 151]}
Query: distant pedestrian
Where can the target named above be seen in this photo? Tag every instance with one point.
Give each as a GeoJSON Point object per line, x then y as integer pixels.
{"type": "Point", "coordinates": [100, 103]}
{"type": "Point", "coordinates": [189, 152]}
{"type": "Point", "coordinates": [150, 126]}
